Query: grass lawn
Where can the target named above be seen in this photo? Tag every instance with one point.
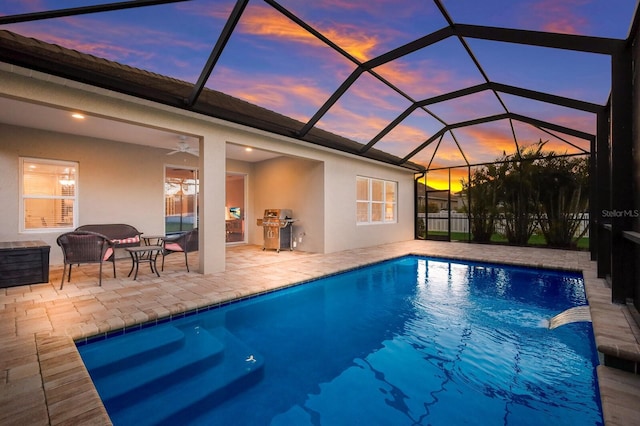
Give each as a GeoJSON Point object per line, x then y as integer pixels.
{"type": "Point", "coordinates": [535, 240]}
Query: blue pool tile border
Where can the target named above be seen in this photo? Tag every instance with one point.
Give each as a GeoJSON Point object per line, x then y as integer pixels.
{"type": "Point", "coordinates": [135, 327]}
{"type": "Point", "coordinates": [167, 319]}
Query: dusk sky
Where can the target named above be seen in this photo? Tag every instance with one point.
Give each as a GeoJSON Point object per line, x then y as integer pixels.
{"type": "Point", "coordinates": [272, 62]}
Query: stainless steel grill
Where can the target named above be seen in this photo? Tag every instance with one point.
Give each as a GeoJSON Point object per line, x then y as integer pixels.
{"type": "Point", "coordinates": [276, 225]}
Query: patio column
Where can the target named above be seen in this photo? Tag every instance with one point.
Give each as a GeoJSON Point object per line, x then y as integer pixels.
{"type": "Point", "coordinates": [600, 195]}
{"type": "Point", "coordinates": [212, 193]}
{"type": "Point", "coordinates": [621, 175]}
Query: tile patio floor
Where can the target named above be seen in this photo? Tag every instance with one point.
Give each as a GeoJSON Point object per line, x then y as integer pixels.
{"type": "Point", "coordinates": [44, 380]}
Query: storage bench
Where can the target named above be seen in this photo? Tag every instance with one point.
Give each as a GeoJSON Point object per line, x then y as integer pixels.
{"type": "Point", "coordinates": [23, 262]}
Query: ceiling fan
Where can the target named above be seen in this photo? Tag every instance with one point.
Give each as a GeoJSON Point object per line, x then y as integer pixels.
{"type": "Point", "coordinates": [183, 147]}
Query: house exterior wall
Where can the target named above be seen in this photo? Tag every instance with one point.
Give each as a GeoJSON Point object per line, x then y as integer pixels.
{"type": "Point", "coordinates": [341, 231]}
{"type": "Point", "coordinates": [114, 185]}
{"type": "Point", "coordinates": [122, 182]}
{"type": "Point", "coordinates": [296, 184]}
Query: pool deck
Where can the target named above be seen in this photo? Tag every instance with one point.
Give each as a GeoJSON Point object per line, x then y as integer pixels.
{"type": "Point", "coordinates": [44, 381]}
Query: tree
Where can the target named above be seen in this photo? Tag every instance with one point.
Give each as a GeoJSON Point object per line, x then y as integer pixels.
{"type": "Point", "coordinates": [563, 198]}
{"type": "Point", "coordinates": [433, 208]}
{"type": "Point", "coordinates": [481, 191]}
{"type": "Point", "coordinates": [517, 192]}
{"type": "Point", "coordinates": [529, 189]}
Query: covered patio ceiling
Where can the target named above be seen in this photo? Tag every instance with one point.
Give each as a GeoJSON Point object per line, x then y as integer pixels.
{"type": "Point", "coordinates": [419, 84]}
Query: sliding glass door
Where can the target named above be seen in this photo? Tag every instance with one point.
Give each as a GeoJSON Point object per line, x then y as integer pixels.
{"type": "Point", "coordinates": [181, 188]}
{"type": "Point", "coordinates": [235, 208]}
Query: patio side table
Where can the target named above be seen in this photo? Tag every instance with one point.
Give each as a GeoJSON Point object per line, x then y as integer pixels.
{"type": "Point", "coordinates": [153, 240]}
{"type": "Point", "coordinates": [143, 254]}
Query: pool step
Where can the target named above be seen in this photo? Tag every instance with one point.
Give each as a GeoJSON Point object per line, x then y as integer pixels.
{"type": "Point", "coordinates": [129, 350]}
{"type": "Point", "coordinates": [187, 391]}
{"type": "Point", "coordinates": [199, 350]}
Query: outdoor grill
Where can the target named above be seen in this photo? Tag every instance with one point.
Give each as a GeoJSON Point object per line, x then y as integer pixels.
{"type": "Point", "coordinates": [276, 224]}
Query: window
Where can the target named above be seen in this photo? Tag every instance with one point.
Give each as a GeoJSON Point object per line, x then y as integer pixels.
{"type": "Point", "coordinates": [49, 191]}
{"type": "Point", "coordinates": [376, 200]}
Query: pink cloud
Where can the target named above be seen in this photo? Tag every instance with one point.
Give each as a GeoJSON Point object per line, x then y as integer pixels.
{"type": "Point", "coordinates": [29, 6]}
{"type": "Point", "coordinates": [341, 121]}
{"type": "Point", "coordinates": [215, 10]}
{"type": "Point", "coordinates": [281, 93]}
{"type": "Point", "coordinates": [559, 16]}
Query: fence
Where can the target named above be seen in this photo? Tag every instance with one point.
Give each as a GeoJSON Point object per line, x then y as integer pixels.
{"type": "Point", "coordinates": [438, 222]}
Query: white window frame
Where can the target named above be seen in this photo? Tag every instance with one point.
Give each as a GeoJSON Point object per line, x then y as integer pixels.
{"type": "Point", "coordinates": [23, 197]}
{"type": "Point", "coordinates": [384, 202]}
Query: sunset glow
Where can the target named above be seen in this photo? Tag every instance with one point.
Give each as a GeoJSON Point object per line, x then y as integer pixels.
{"type": "Point", "coordinates": [272, 61]}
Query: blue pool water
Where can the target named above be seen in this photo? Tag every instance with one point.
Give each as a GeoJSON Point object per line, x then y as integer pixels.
{"type": "Point", "coordinates": [412, 341]}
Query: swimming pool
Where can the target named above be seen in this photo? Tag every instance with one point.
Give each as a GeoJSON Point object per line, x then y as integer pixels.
{"type": "Point", "coordinates": [409, 341]}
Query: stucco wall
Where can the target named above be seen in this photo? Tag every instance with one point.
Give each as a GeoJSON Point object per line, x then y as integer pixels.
{"type": "Point", "coordinates": [320, 187]}
{"type": "Point", "coordinates": [340, 206]}
{"type": "Point", "coordinates": [123, 182]}
{"type": "Point", "coordinates": [117, 182]}
{"type": "Point", "coordinates": [296, 184]}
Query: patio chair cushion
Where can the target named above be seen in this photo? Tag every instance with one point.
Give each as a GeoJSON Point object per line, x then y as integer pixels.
{"type": "Point", "coordinates": [123, 241]}
{"type": "Point", "coordinates": [108, 253]}
{"type": "Point", "coordinates": [173, 247]}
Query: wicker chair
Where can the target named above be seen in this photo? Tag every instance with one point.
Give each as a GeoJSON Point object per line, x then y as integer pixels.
{"type": "Point", "coordinates": [85, 247]}
{"type": "Point", "coordinates": [183, 243]}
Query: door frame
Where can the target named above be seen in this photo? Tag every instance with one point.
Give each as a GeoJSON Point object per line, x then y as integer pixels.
{"type": "Point", "coordinates": [244, 208]}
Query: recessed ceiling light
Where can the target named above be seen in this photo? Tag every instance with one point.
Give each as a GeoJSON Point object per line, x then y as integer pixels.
{"type": "Point", "coordinates": [248, 149]}
{"type": "Point", "coordinates": [78, 116]}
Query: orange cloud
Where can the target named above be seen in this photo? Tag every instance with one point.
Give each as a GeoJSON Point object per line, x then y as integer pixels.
{"type": "Point", "coordinates": [408, 134]}
{"type": "Point", "coordinates": [486, 142]}
{"type": "Point", "coordinates": [422, 79]}
{"type": "Point", "coordinates": [402, 140]}
{"type": "Point", "coordinates": [442, 179]}
{"type": "Point", "coordinates": [266, 21]}
{"type": "Point", "coordinates": [447, 154]}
